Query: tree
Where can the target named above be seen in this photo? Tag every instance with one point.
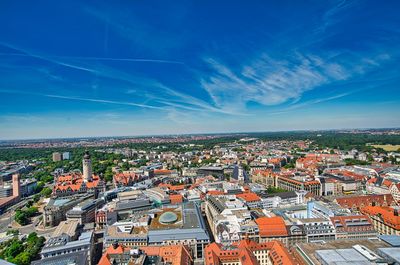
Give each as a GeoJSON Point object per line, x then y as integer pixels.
{"type": "Point", "coordinates": [31, 211]}
{"type": "Point", "coordinates": [23, 258]}
{"type": "Point", "coordinates": [32, 237]}
{"type": "Point", "coordinates": [21, 217]}
{"type": "Point", "coordinates": [36, 197]}
{"type": "Point", "coordinates": [14, 232]}
{"type": "Point", "coordinates": [46, 192]}
{"type": "Point", "coordinates": [29, 203]}
{"type": "Point", "coordinates": [108, 176]}
{"type": "Point", "coordinates": [13, 250]}
{"type": "Point", "coordinates": [272, 190]}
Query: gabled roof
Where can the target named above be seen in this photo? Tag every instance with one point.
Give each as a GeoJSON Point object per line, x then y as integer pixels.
{"type": "Point", "coordinates": [272, 226]}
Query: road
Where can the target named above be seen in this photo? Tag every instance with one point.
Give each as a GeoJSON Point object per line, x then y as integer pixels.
{"type": "Point", "coordinates": [7, 221]}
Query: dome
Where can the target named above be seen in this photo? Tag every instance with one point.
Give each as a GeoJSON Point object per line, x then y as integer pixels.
{"type": "Point", "coordinates": [168, 218]}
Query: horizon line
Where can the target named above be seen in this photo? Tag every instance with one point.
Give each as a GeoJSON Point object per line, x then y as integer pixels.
{"type": "Point", "coordinates": [205, 134]}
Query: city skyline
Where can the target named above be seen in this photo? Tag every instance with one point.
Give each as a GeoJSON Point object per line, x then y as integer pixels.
{"type": "Point", "coordinates": [130, 68]}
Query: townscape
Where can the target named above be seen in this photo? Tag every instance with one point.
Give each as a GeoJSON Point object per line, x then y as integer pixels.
{"type": "Point", "coordinates": [228, 199]}
{"type": "Point", "coordinates": [199, 132]}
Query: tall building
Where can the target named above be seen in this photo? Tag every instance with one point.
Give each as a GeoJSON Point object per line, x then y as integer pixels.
{"type": "Point", "coordinates": [75, 183]}
{"type": "Point", "coordinates": [16, 190]}
{"type": "Point", "coordinates": [87, 167]}
{"type": "Point", "coordinates": [16, 186]}
{"type": "Point", "coordinates": [57, 157]}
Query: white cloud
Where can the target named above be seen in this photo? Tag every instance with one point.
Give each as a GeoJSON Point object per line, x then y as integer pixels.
{"type": "Point", "coordinates": [270, 81]}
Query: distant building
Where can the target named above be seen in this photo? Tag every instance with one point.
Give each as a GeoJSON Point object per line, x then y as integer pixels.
{"type": "Point", "coordinates": [77, 183]}
{"type": "Point", "coordinates": [57, 157]}
{"type": "Point", "coordinates": [125, 179]}
{"type": "Point", "coordinates": [66, 156]}
{"type": "Point", "coordinates": [265, 177]}
{"type": "Point", "coordinates": [299, 183]}
{"type": "Point", "coordinates": [214, 171]}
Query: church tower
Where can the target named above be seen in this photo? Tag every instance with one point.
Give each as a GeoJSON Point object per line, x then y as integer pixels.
{"type": "Point", "coordinates": [87, 167]}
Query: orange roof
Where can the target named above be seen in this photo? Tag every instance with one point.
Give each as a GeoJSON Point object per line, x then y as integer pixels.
{"type": "Point", "coordinates": [74, 182]}
{"type": "Point", "coordinates": [248, 197]}
{"type": "Point", "coordinates": [176, 198]}
{"type": "Point", "coordinates": [243, 252]}
{"type": "Point", "coordinates": [176, 188]}
{"type": "Point", "coordinates": [162, 171]}
{"type": "Point", "coordinates": [347, 223]}
{"type": "Point", "coordinates": [265, 172]}
{"type": "Point", "coordinates": [388, 215]}
{"type": "Point", "coordinates": [372, 180]}
{"type": "Point", "coordinates": [175, 254]}
{"type": "Point", "coordinates": [125, 178]}
{"type": "Point", "coordinates": [365, 200]}
{"type": "Point", "coordinates": [215, 192]}
{"type": "Point", "coordinates": [111, 250]}
{"type": "Point", "coordinates": [272, 226]}
{"type": "Point", "coordinates": [386, 183]}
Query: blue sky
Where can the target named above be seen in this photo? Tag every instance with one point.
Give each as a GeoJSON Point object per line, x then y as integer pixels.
{"type": "Point", "coordinates": [107, 68]}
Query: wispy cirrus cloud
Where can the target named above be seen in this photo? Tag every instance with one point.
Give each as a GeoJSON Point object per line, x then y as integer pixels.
{"type": "Point", "coordinates": [146, 88]}
{"type": "Point", "coordinates": [269, 81]}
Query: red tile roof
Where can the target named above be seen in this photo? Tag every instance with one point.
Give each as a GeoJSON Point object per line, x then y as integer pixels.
{"type": "Point", "coordinates": [243, 252]}
{"type": "Point", "coordinates": [174, 254]}
{"type": "Point", "coordinates": [248, 197]}
{"type": "Point", "coordinates": [176, 198]}
{"type": "Point", "coordinates": [365, 200]}
{"type": "Point", "coordinates": [389, 216]}
{"type": "Point", "coordinates": [347, 223]}
{"type": "Point", "coordinates": [272, 226]}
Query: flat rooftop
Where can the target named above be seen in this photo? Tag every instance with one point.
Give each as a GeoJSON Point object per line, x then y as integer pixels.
{"type": "Point", "coordinates": [68, 227]}
{"type": "Point", "coordinates": [310, 249]}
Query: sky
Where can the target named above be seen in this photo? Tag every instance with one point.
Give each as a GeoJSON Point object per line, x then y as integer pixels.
{"type": "Point", "coordinates": [121, 68]}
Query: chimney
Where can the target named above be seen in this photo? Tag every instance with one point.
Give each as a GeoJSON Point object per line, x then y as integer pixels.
{"type": "Point", "coordinates": [396, 212]}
